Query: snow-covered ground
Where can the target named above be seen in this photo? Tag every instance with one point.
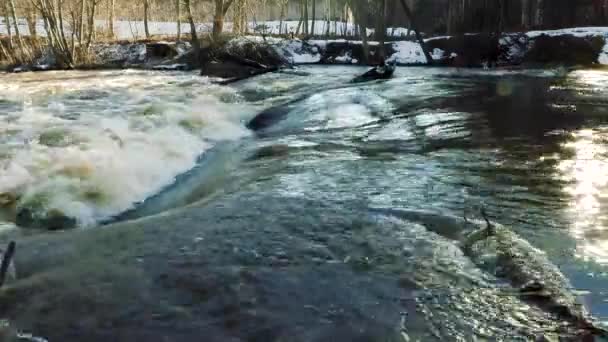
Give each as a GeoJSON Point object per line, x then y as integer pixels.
{"type": "Point", "coordinates": [576, 31]}
{"type": "Point", "coordinates": [310, 52]}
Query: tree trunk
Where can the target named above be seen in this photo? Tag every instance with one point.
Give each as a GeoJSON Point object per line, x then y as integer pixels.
{"type": "Point", "coordinates": [382, 28]}
{"type": "Point", "coordinates": [314, 16]}
{"type": "Point", "coordinates": [24, 49]}
{"type": "Point", "coordinates": [282, 17]}
{"type": "Point", "coordinates": [81, 31]}
{"type": "Point", "coordinates": [111, 4]}
{"type": "Point", "coordinates": [64, 41]}
{"type": "Point", "coordinates": [538, 13]}
{"type": "Point", "coordinates": [301, 17]}
{"type": "Point", "coordinates": [306, 22]}
{"type": "Point", "coordinates": [328, 27]}
{"type": "Point", "coordinates": [5, 52]}
{"type": "Point", "coordinates": [196, 45]}
{"type": "Point", "coordinates": [32, 17]}
{"type": "Point", "coordinates": [178, 11]}
{"type": "Point", "coordinates": [146, 13]}
{"type": "Point", "coordinates": [218, 19]}
{"type": "Point", "coordinates": [9, 29]}
{"type": "Point", "coordinates": [525, 14]}
{"type": "Point", "coordinates": [52, 14]}
{"type": "Point", "coordinates": [91, 29]}
{"type": "Point", "coordinates": [408, 12]}
{"type": "Point", "coordinates": [239, 21]}
{"type": "Point", "coordinates": [358, 11]}
{"type": "Point", "coordinates": [221, 8]}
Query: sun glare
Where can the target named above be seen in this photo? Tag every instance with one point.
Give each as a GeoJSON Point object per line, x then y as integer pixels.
{"type": "Point", "coordinates": [586, 173]}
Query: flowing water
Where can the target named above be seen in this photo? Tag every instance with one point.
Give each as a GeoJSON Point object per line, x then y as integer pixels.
{"type": "Point", "coordinates": [190, 224]}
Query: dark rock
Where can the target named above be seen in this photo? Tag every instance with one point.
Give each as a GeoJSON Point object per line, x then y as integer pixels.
{"type": "Point", "coordinates": [272, 115]}
{"type": "Point", "coordinates": [471, 51]}
{"type": "Point", "coordinates": [334, 53]}
{"type": "Point", "coordinates": [51, 220]}
{"type": "Point", "coordinates": [228, 69]}
{"type": "Point", "coordinates": [240, 60]}
{"type": "Point", "coordinates": [564, 50]}
{"type": "Point", "coordinates": [161, 50]}
{"type": "Point", "coordinates": [273, 151]}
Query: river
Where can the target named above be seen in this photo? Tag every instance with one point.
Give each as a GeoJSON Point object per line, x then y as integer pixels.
{"type": "Point", "coordinates": [190, 224]}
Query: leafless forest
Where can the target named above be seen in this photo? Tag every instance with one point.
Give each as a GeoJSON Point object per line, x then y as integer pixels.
{"type": "Point", "coordinates": [71, 26]}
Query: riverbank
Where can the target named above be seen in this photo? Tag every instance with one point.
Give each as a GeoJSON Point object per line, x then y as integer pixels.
{"type": "Point", "coordinates": [568, 47]}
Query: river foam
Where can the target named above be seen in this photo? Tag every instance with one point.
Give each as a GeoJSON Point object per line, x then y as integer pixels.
{"type": "Point", "coordinates": [93, 145]}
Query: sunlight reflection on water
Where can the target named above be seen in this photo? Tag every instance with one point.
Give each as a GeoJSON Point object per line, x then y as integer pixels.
{"type": "Point", "coordinates": [587, 173]}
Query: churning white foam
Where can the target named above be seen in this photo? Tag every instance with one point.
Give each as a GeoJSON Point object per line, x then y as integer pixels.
{"type": "Point", "coordinates": [94, 157]}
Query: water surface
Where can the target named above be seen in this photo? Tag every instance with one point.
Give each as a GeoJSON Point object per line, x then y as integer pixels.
{"type": "Point", "coordinates": [285, 233]}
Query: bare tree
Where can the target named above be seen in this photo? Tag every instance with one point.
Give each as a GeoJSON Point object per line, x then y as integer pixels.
{"type": "Point", "coordinates": [282, 4]}
{"type": "Point", "coordinates": [81, 31]}
{"type": "Point", "coordinates": [24, 49]}
{"type": "Point", "coordinates": [91, 22]}
{"type": "Point", "coordinates": [52, 14]}
{"type": "Point", "coordinates": [239, 20]}
{"type": "Point", "coordinates": [7, 23]}
{"type": "Point", "coordinates": [221, 8]}
{"type": "Point", "coordinates": [381, 28]}
{"type": "Point", "coordinates": [111, 12]}
{"type": "Point", "coordinates": [196, 45]}
{"type": "Point", "coordinates": [301, 17]}
{"type": "Point", "coordinates": [178, 12]}
{"type": "Point", "coordinates": [314, 16]}
{"type": "Point", "coordinates": [146, 15]}
{"type": "Point", "coordinates": [408, 13]}
{"type": "Point", "coordinates": [32, 18]}
{"type": "Point", "coordinates": [358, 9]}
{"type": "Point", "coordinates": [306, 18]}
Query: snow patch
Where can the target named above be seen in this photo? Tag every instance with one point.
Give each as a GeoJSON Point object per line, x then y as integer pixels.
{"type": "Point", "coordinates": [575, 31]}
{"type": "Point", "coordinates": [407, 53]}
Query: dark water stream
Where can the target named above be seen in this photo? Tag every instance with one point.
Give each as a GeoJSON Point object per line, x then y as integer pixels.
{"type": "Point", "coordinates": [291, 233]}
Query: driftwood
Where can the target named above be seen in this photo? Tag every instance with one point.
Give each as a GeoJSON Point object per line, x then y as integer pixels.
{"type": "Point", "coordinates": [7, 258]}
